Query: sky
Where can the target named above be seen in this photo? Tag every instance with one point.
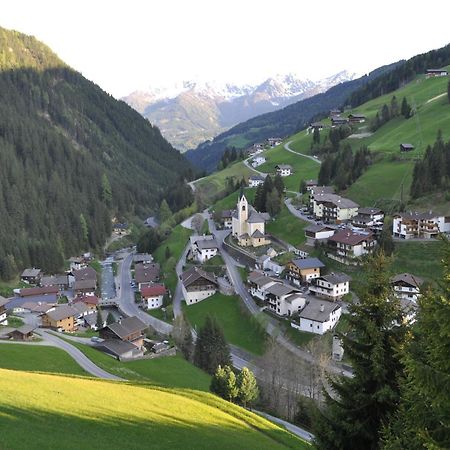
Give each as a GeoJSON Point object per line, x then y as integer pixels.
{"type": "Point", "coordinates": [136, 45]}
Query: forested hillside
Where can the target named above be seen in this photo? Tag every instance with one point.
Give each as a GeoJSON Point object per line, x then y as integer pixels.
{"type": "Point", "coordinates": [71, 157]}
{"type": "Point", "coordinates": [282, 123]}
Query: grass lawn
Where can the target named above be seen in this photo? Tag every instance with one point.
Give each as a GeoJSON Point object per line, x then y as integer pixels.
{"type": "Point", "coordinates": [300, 338]}
{"type": "Point", "coordinates": [287, 227]}
{"type": "Point", "coordinates": [238, 326]}
{"type": "Point", "coordinates": [37, 358]}
{"type": "Point", "coordinates": [160, 314]}
{"type": "Point", "coordinates": [176, 242]}
{"type": "Point", "coordinates": [230, 201]}
{"type": "Point", "coordinates": [7, 287]}
{"type": "Point", "coordinates": [87, 333]}
{"type": "Point", "coordinates": [35, 413]}
{"type": "Point", "coordinates": [15, 322]}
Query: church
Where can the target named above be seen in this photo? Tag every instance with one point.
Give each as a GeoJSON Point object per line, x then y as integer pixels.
{"type": "Point", "coordinates": [248, 225]}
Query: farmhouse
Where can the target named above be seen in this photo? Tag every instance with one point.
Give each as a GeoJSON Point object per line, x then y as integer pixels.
{"type": "Point", "coordinates": [283, 170]}
{"type": "Point", "coordinates": [131, 330]}
{"type": "Point", "coordinates": [284, 300]}
{"type": "Point", "coordinates": [274, 141]}
{"type": "Point", "coordinates": [146, 273]}
{"type": "Point", "coordinates": [333, 207]}
{"type": "Point", "coordinates": [337, 121]}
{"type": "Point", "coordinates": [86, 273]}
{"type": "Point", "coordinates": [332, 286]}
{"type": "Point", "coordinates": [318, 316]}
{"type": "Point", "coordinates": [31, 276]}
{"type": "Point", "coordinates": [419, 225]}
{"type": "Point", "coordinates": [304, 270]}
{"type": "Point", "coordinates": [407, 286]}
{"type": "Point", "coordinates": [153, 296]}
{"type": "Point", "coordinates": [76, 263]}
{"type": "Point", "coordinates": [37, 308]}
{"type": "Point", "coordinates": [227, 218]}
{"type": "Point", "coordinates": [248, 225]}
{"type": "Point", "coordinates": [258, 161]}
{"type": "Point", "coordinates": [196, 285]}
{"type": "Point", "coordinates": [335, 113]}
{"type": "Point", "coordinates": [144, 258]}
{"type": "Point", "coordinates": [368, 218]}
{"type": "Point", "coordinates": [91, 301]}
{"type": "Point", "coordinates": [203, 247]}
{"type": "Point", "coordinates": [436, 73]}
{"type": "Point", "coordinates": [348, 245]}
{"type": "Point", "coordinates": [3, 302]}
{"type": "Point", "coordinates": [310, 185]}
{"type": "Point", "coordinates": [406, 147]}
{"type": "Point", "coordinates": [316, 125]}
{"type": "Point", "coordinates": [316, 233]}
{"type": "Point", "coordinates": [85, 287]}
{"type": "Point", "coordinates": [356, 118]}
{"type": "Point", "coordinates": [23, 333]}
{"type": "Point", "coordinates": [61, 318]}
{"type": "Point", "coordinates": [255, 181]}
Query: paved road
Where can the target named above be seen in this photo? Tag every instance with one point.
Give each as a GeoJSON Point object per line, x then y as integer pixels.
{"type": "Point", "coordinates": [289, 149]}
{"type": "Point", "coordinates": [246, 162]}
{"type": "Point", "coordinates": [79, 357]}
{"type": "Point", "coordinates": [178, 295]}
{"type": "Point", "coordinates": [127, 303]}
{"type": "Point", "coordinates": [294, 211]}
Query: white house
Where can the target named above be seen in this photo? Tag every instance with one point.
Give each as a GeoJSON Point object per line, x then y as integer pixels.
{"type": "Point", "coordinates": [255, 181]}
{"type": "Point", "coordinates": [368, 218]}
{"type": "Point", "coordinates": [259, 283]}
{"type": "Point", "coordinates": [332, 207]}
{"type": "Point", "coordinates": [407, 286]}
{"type": "Point", "coordinates": [196, 285]}
{"type": "Point", "coordinates": [273, 142]}
{"type": "Point", "coordinates": [3, 302]}
{"type": "Point", "coordinates": [348, 245]}
{"type": "Point", "coordinates": [153, 295]}
{"type": "Point", "coordinates": [419, 225]}
{"type": "Point", "coordinates": [315, 233]}
{"type": "Point", "coordinates": [332, 286]}
{"type": "Point", "coordinates": [284, 300]}
{"type": "Point", "coordinates": [284, 170]}
{"type": "Point", "coordinates": [227, 218]}
{"type": "Point", "coordinates": [311, 184]}
{"type": "Point", "coordinates": [203, 247]}
{"type": "Point", "coordinates": [258, 160]}
{"type": "Point", "coordinates": [264, 262]}
{"type": "Point", "coordinates": [318, 317]}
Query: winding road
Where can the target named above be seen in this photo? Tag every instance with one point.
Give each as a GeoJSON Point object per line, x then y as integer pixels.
{"type": "Point", "coordinates": [289, 149]}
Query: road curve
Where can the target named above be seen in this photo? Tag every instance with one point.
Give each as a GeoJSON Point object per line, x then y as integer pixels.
{"type": "Point", "coordinates": [289, 149]}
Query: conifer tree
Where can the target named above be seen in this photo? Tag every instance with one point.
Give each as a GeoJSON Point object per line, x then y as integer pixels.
{"type": "Point", "coordinates": [316, 136]}
{"type": "Point", "coordinates": [248, 387]}
{"type": "Point", "coordinates": [358, 407]}
{"type": "Point", "coordinates": [258, 201]}
{"type": "Point", "coordinates": [110, 319]}
{"type": "Point", "coordinates": [279, 184]}
{"type": "Point", "coordinates": [164, 211]}
{"type": "Point", "coordinates": [99, 321]}
{"type": "Point", "coordinates": [405, 109]}
{"type": "Point", "coordinates": [302, 188]}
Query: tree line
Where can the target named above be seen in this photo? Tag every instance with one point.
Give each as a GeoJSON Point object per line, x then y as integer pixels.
{"type": "Point", "coordinates": [230, 155]}
{"type": "Point", "coordinates": [386, 113]}
{"type": "Point", "coordinates": [269, 195]}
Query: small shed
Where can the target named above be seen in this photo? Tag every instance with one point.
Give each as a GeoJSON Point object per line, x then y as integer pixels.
{"type": "Point", "coordinates": [24, 333]}
{"type": "Point", "coordinates": [406, 147]}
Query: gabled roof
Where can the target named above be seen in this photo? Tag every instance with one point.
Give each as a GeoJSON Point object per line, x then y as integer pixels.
{"type": "Point", "coordinates": [318, 310]}
{"type": "Point", "coordinates": [118, 347]}
{"type": "Point", "coordinates": [153, 291]}
{"type": "Point", "coordinates": [283, 167]}
{"type": "Point", "coordinates": [255, 217]}
{"type": "Point", "coordinates": [145, 273]}
{"type": "Point", "coordinates": [291, 298]}
{"type": "Point", "coordinates": [317, 190]}
{"type": "Point", "coordinates": [227, 213]}
{"type": "Point", "coordinates": [414, 215]}
{"type": "Point", "coordinates": [24, 329]}
{"type": "Point", "coordinates": [370, 211]}
{"type": "Point", "coordinates": [62, 312]}
{"type": "Point", "coordinates": [336, 200]}
{"type": "Point", "coordinates": [350, 238]}
{"type": "Point", "coordinates": [407, 278]}
{"type": "Point", "coordinates": [87, 273]}
{"type": "Point", "coordinates": [85, 284]}
{"type": "Point", "coordinates": [126, 327]}
{"type": "Point", "coordinates": [258, 235]}
{"type": "Point", "coordinates": [54, 280]}
{"type": "Point", "coordinates": [87, 299]}
{"type": "Point", "coordinates": [207, 244]}
{"type": "Point", "coordinates": [31, 272]}
{"type": "Point", "coordinates": [313, 228]}
{"type": "Point", "coordinates": [256, 178]}
{"type": "Point", "coordinates": [31, 292]}
{"type": "Point", "coordinates": [142, 257]}
{"type": "Point", "coordinates": [335, 277]}
{"type": "Point", "coordinates": [37, 307]}
{"type": "Point", "coordinates": [308, 263]}
{"type": "Point", "coordinates": [280, 289]}
{"type": "Point", "coordinates": [311, 182]}
{"type": "Point", "coordinates": [195, 273]}
{"type": "Point", "coordinates": [80, 307]}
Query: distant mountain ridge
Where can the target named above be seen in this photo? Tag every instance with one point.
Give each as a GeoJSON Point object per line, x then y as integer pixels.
{"type": "Point", "coordinates": [192, 112]}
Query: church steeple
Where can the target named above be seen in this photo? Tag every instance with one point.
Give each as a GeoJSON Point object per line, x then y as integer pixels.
{"type": "Point", "coordinates": [242, 208]}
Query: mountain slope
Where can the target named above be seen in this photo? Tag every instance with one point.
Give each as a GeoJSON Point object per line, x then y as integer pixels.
{"type": "Point", "coordinates": [71, 156]}
{"type": "Point", "coordinates": [194, 112]}
{"type": "Point", "coordinates": [135, 416]}
{"type": "Point", "coordinates": [279, 123]}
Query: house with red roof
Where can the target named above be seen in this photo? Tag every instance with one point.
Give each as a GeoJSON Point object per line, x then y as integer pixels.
{"type": "Point", "coordinates": [153, 295]}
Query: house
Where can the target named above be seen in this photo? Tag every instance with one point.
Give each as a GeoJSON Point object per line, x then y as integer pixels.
{"type": "Point", "coordinates": [61, 318]}
{"type": "Point", "coordinates": [122, 350]}
{"type": "Point", "coordinates": [142, 258]}
{"type": "Point", "coordinates": [160, 347]}
{"type": "Point", "coordinates": [259, 283]}
{"type": "Point", "coordinates": [3, 317]}
{"type": "Point", "coordinates": [436, 73]}
{"type": "Point", "coordinates": [258, 161]}
{"type": "Point", "coordinates": [196, 285]}
{"type": "Point", "coordinates": [86, 273]}
{"type": "Point", "coordinates": [264, 262]}
{"type": "Point", "coordinates": [409, 309]}
{"type": "Point", "coordinates": [356, 118]}
{"type": "Point", "coordinates": [120, 228]}
{"type": "Point", "coordinates": [77, 263]}
{"type": "Point", "coordinates": [203, 247]}
{"type": "Point", "coordinates": [37, 308]}
{"type": "Point", "coordinates": [347, 244]}
{"type": "Point", "coordinates": [23, 333]}
{"type": "Point", "coordinates": [304, 270]}
{"type": "Point", "coordinates": [284, 300]}
{"type": "Point", "coordinates": [84, 287]}
{"type": "Point", "coordinates": [311, 184]}
{"type": "Point", "coordinates": [332, 286]}
{"type": "Point", "coordinates": [130, 329]}
{"type": "Point", "coordinates": [411, 225]}
{"type": "Point", "coordinates": [302, 250]}
{"type": "Point", "coordinates": [255, 181]}
{"type": "Point", "coordinates": [284, 170]}
{"type": "Point", "coordinates": [407, 286]}
{"type": "Point", "coordinates": [146, 273]}
{"type": "Point", "coordinates": [60, 281]}
{"type": "Point", "coordinates": [406, 147]}
{"type": "Point", "coordinates": [91, 301]}
{"type": "Point", "coordinates": [334, 113]}
{"type": "Point", "coordinates": [31, 276]}
{"type": "Point", "coordinates": [368, 218]}
{"type": "Point", "coordinates": [316, 126]}
{"type": "Point", "coordinates": [318, 317]}
{"type": "Point", "coordinates": [227, 218]}
{"type": "Point", "coordinates": [39, 291]}
{"type": "Point", "coordinates": [333, 208]}
{"type": "Point", "coordinates": [153, 295]}
{"type": "Point", "coordinates": [273, 142]}
{"type": "Point", "coordinates": [248, 225]}
{"type": "Point", "coordinates": [90, 320]}
{"type": "Point", "coordinates": [83, 311]}
{"type": "Point", "coordinates": [338, 121]}
{"type": "Point", "coordinates": [316, 233]}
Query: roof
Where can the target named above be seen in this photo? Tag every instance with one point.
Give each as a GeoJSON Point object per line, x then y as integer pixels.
{"type": "Point", "coordinates": [280, 289]}
{"type": "Point", "coordinates": [88, 299]}
{"type": "Point", "coordinates": [370, 211]}
{"type": "Point", "coordinates": [31, 272]}
{"type": "Point", "coordinates": [118, 347]}
{"type": "Point", "coordinates": [87, 273]}
{"type": "Point", "coordinates": [28, 292]}
{"type": "Point", "coordinates": [24, 329]}
{"type": "Point", "coordinates": [335, 277]}
{"type": "Point", "coordinates": [311, 182]}
{"type": "Point", "coordinates": [54, 280]}
{"type": "Point", "coordinates": [414, 215]}
{"type": "Point", "coordinates": [195, 273]}
{"type": "Point", "coordinates": [257, 234]}
{"type": "Point", "coordinates": [407, 278]}
{"type": "Point", "coordinates": [350, 238]}
{"type": "Point", "coordinates": [291, 298]}
{"type": "Point", "coordinates": [307, 263]}
{"type": "Point", "coordinates": [207, 244]}
{"type": "Point", "coordinates": [257, 178]}
{"type": "Point", "coordinates": [317, 228]}
{"type": "Point", "coordinates": [85, 284]}
{"type": "Point", "coordinates": [62, 312]}
{"type": "Point", "coordinates": [358, 116]}
{"type": "Point", "coordinates": [76, 259]}
{"type": "Point", "coordinates": [254, 275]}
{"type": "Point", "coordinates": [144, 273]}
{"type": "Point", "coordinates": [37, 307]}
{"type": "Point", "coordinates": [153, 291]}
{"type": "Point", "coordinates": [322, 190]}
{"type": "Point", "coordinates": [316, 124]}
{"type": "Point", "coordinates": [255, 217]}
{"type": "Point", "coordinates": [283, 167]}
{"type": "Point", "coordinates": [127, 326]}
{"type": "Point", "coordinates": [142, 257]}
{"type": "Point", "coordinates": [318, 310]}
{"type": "Point", "coordinates": [227, 213]}
{"type": "Point", "coordinates": [336, 200]}
{"type": "Point", "coordinates": [436, 70]}
{"type": "Point", "coordinates": [406, 145]}
{"type": "Point", "coordinates": [80, 307]}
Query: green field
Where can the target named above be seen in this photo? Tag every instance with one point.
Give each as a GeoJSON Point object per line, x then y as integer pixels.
{"type": "Point", "coordinates": [176, 242]}
{"type": "Point", "coordinates": [287, 227]}
{"type": "Point", "coordinates": [239, 328]}
{"type": "Point", "coordinates": [37, 358]}
{"type": "Point", "coordinates": [230, 201]}
{"type": "Point", "coordinates": [54, 412]}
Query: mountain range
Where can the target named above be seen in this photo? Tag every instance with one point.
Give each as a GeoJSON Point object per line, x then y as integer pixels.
{"type": "Point", "coordinates": [191, 112]}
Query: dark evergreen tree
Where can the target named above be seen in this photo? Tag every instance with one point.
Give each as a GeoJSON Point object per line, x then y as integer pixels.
{"type": "Point", "coordinates": [273, 203]}
{"type": "Point", "coordinates": [279, 184]}
{"type": "Point", "coordinates": [316, 136]}
{"type": "Point", "coordinates": [405, 109]}
{"type": "Point", "coordinates": [258, 201]}
{"type": "Point", "coordinates": [148, 241]}
{"type": "Point", "coordinates": [358, 407]}
{"type": "Point", "coordinates": [110, 319]}
{"type": "Point", "coordinates": [302, 188]}
{"type": "Point", "coordinates": [394, 107]}
{"type": "Point", "coordinates": [99, 321]}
